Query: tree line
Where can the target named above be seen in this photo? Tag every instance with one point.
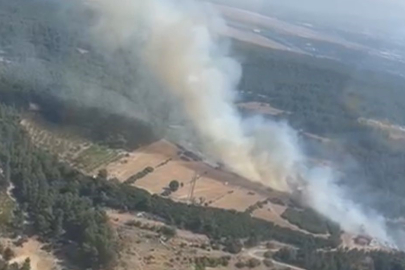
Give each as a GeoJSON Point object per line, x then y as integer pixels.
{"type": "Point", "coordinates": [342, 259]}
{"type": "Point", "coordinates": [66, 206]}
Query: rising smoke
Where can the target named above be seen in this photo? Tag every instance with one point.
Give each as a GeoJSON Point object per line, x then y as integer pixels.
{"type": "Point", "coordinates": [179, 43]}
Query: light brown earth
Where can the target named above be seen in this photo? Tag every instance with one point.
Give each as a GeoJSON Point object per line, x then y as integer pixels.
{"type": "Point", "coordinates": [262, 21]}
{"type": "Point", "coordinates": [40, 259]}
{"type": "Point", "coordinates": [348, 242]}
{"type": "Point", "coordinates": [395, 132]}
{"type": "Point", "coordinates": [260, 108]}
{"type": "Point", "coordinates": [316, 137]}
{"type": "Point", "coordinates": [215, 187]}
{"type": "Point", "coordinates": [144, 249]}
{"type": "Point", "coordinates": [255, 39]}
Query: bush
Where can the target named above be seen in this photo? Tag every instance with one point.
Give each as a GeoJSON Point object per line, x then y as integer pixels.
{"type": "Point", "coordinates": [138, 175]}
{"type": "Point", "coordinates": [268, 263]}
{"type": "Point", "coordinates": [267, 254]}
{"type": "Point", "coordinates": [26, 265]}
{"type": "Point", "coordinates": [252, 263]}
{"type": "Point", "coordinates": [233, 246]}
{"type": "Point", "coordinates": [239, 264]}
{"type": "Point", "coordinates": [167, 231]}
{"type": "Point", "coordinates": [8, 254]}
{"type": "Point", "coordinates": [174, 185]}
{"type": "Point", "coordinates": [307, 220]}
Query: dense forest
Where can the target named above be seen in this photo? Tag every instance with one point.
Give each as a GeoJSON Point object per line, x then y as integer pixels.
{"type": "Point", "coordinates": [310, 221]}
{"type": "Point", "coordinates": [342, 259]}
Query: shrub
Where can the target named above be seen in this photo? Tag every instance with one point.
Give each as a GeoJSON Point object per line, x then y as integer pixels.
{"type": "Point", "coordinates": [252, 263]}
{"type": "Point", "coordinates": [268, 263]}
{"type": "Point", "coordinates": [174, 185]}
{"type": "Point", "coordinates": [239, 264]}
{"type": "Point", "coordinates": [167, 231]}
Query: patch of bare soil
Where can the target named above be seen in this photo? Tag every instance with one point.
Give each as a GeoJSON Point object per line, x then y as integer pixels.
{"type": "Point", "coordinates": [214, 186]}
{"type": "Point", "coordinates": [144, 249]}
{"type": "Point", "coordinates": [260, 108]}
{"type": "Point", "coordinates": [258, 20]}
{"type": "Point", "coordinates": [316, 137]}
{"type": "Point", "coordinates": [255, 39]}
{"type": "Point", "coordinates": [351, 241]}
{"type": "Point", "coordinates": [395, 132]}
{"type": "Point", "coordinates": [40, 259]}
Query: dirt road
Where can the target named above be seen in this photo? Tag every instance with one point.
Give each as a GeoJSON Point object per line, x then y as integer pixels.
{"type": "Point", "coordinates": [253, 253]}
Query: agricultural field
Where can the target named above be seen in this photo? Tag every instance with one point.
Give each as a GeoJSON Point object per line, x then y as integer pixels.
{"type": "Point", "coordinates": [69, 146]}
{"type": "Point", "coordinates": [213, 187]}
{"type": "Point", "coordinates": [258, 21]}
{"type": "Point", "coordinates": [54, 139]}
{"type": "Point", "coordinates": [95, 156]}
{"type": "Point", "coordinates": [165, 162]}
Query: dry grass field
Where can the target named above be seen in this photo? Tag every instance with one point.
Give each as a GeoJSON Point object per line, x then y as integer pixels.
{"type": "Point", "coordinates": [257, 20]}
{"type": "Point", "coordinates": [213, 186]}
{"type": "Point", "coordinates": [32, 249]}
{"type": "Point", "coordinates": [260, 108]}
{"type": "Point", "coordinates": [143, 248]}
{"type": "Point", "coordinates": [395, 132]}
{"type": "Point", "coordinates": [255, 39]}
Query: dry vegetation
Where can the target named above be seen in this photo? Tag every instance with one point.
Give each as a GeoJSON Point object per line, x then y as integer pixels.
{"type": "Point", "coordinates": [258, 20]}
{"type": "Point", "coordinates": [395, 132]}
{"type": "Point", "coordinates": [144, 248]}
{"type": "Point", "coordinates": [255, 38]}
{"type": "Point", "coordinates": [32, 249]}
{"type": "Point", "coordinates": [213, 187]}
{"type": "Point", "coordinates": [260, 108]}
{"type": "Point", "coordinates": [348, 241]}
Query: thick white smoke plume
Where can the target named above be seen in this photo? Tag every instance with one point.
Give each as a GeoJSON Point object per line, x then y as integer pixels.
{"type": "Point", "coordinates": [181, 47]}
{"type": "Point", "coordinates": [180, 44]}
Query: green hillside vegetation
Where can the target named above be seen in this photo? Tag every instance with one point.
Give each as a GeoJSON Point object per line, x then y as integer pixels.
{"type": "Point", "coordinates": [7, 209]}
{"type": "Point", "coordinates": [69, 146]}
{"type": "Point", "coordinates": [307, 219]}
{"type": "Point", "coordinates": [54, 206]}
{"type": "Point", "coordinates": [95, 156]}
{"type": "Point", "coordinates": [7, 205]}
{"type": "Point", "coordinates": [342, 259]}
{"type": "Point", "coordinates": [63, 204]}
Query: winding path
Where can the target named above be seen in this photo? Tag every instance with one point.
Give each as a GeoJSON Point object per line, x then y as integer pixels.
{"type": "Point", "coordinates": [252, 253]}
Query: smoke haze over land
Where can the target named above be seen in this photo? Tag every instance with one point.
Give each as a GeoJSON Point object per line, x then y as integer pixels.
{"type": "Point", "coordinates": [373, 15]}
{"type": "Point", "coordinates": [178, 41]}
{"type": "Point", "coordinates": [166, 64]}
